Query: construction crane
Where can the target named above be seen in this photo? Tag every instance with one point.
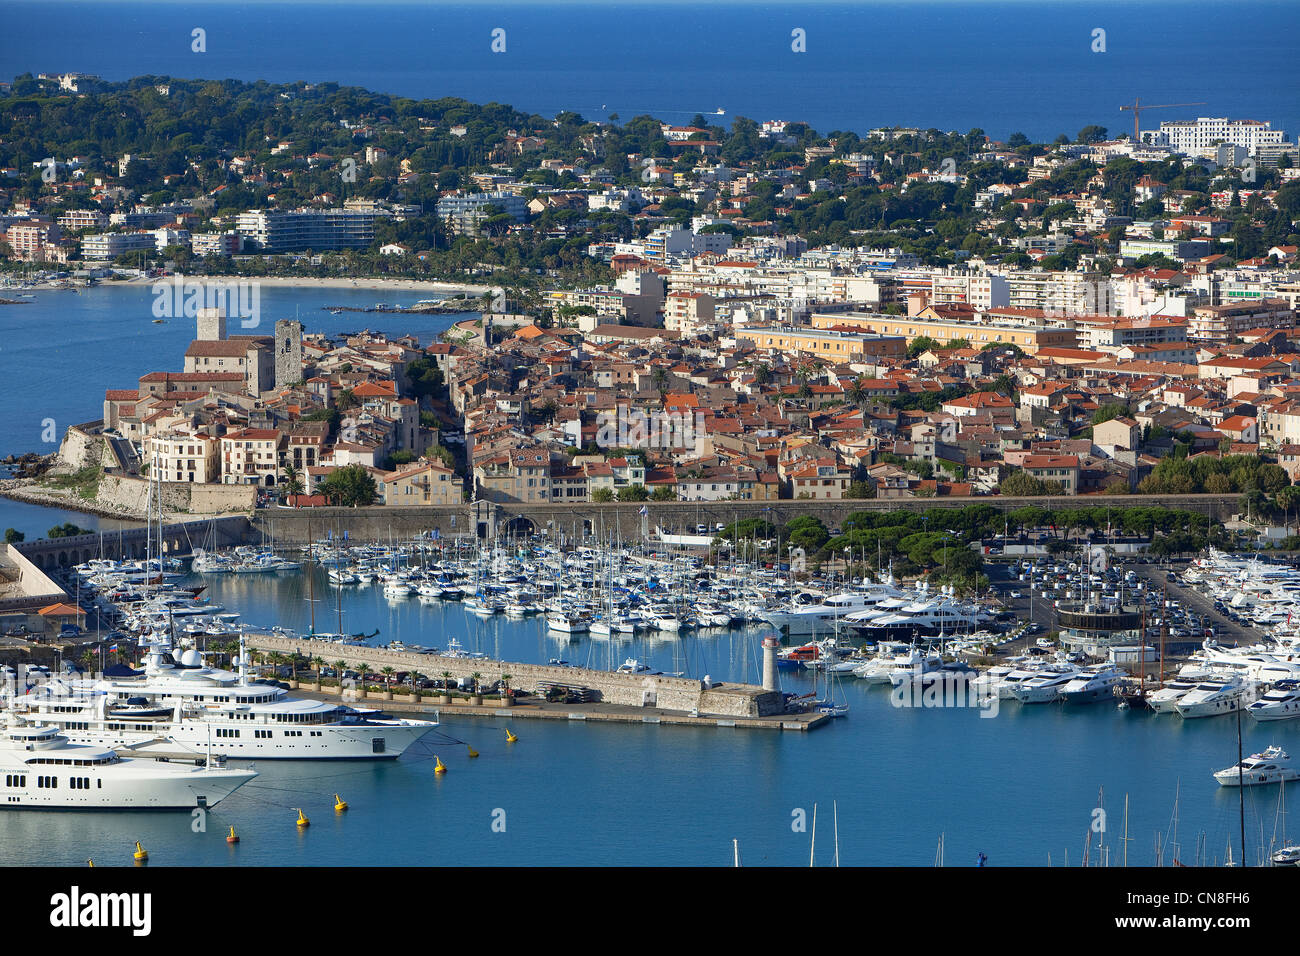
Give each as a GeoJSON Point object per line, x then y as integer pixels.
{"type": "Point", "coordinates": [1137, 109]}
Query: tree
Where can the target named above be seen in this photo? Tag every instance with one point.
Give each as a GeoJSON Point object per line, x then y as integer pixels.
{"type": "Point", "coordinates": [13, 536]}
{"type": "Point", "coordinates": [292, 482]}
{"type": "Point", "coordinates": [350, 486]}
{"type": "Point", "coordinates": [664, 493]}
{"type": "Point", "coordinates": [602, 495]}
{"type": "Point", "coordinates": [1021, 484]}
{"type": "Point", "coordinates": [1109, 411]}
{"type": "Point", "coordinates": [633, 493]}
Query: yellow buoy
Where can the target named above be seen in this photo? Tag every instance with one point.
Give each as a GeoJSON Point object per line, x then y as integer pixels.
{"type": "Point", "coordinates": [141, 854]}
{"type": "Point", "coordinates": [232, 838]}
{"type": "Point", "coordinates": [339, 804]}
{"type": "Point", "coordinates": [510, 738]}
{"type": "Point", "coordinates": [439, 766]}
{"type": "Point", "coordinates": [472, 751]}
{"type": "Point", "coordinates": [302, 819]}
{"type": "Point", "coordinates": [90, 863]}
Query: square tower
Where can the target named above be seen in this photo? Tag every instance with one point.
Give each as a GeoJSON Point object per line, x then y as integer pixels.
{"type": "Point", "coordinates": [288, 352]}
{"type": "Point", "coordinates": [212, 325]}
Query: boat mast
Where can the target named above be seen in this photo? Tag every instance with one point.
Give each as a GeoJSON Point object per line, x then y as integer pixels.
{"type": "Point", "coordinates": [812, 852]}
{"type": "Point", "coordinates": [1241, 789]}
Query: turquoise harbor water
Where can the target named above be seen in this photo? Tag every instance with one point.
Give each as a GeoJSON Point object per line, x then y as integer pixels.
{"type": "Point", "coordinates": [1019, 787]}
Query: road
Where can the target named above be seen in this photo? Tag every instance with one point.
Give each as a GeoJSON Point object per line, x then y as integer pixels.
{"type": "Point", "coordinates": [1229, 631]}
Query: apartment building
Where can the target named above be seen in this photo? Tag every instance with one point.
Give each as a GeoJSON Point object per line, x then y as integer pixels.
{"type": "Point", "coordinates": [1060, 468]}
{"type": "Point", "coordinates": [516, 474]}
{"type": "Point", "coordinates": [315, 229]}
{"type": "Point", "coordinates": [251, 457]}
{"type": "Point", "coordinates": [829, 343]}
{"type": "Point", "coordinates": [421, 483]}
{"type": "Point", "coordinates": [465, 213]}
{"type": "Point", "coordinates": [1220, 324]}
{"type": "Point", "coordinates": [1207, 132]}
{"type": "Point", "coordinates": [110, 245]}
{"type": "Point", "coordinates": [688, 312]}
{"type": "Point", "coordinates": [176, 456]}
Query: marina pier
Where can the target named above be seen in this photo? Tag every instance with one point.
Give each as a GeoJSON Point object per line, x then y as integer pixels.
{"type": "Point", "coordinates": [610, 695]}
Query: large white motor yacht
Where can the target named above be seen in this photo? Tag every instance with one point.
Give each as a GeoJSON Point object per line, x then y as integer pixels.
{"type": "Point", "coordinates": [1215, 696]}
{"type": "Point", "coordinates": [1271, 766]}
{"type": "Point", "coordinates": [184, 709]}
{"type": "Point", "coordinates": [42, 769]}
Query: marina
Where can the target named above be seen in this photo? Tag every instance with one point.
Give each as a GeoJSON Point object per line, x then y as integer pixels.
{"type": "Point", "coordinates": [397, 637]}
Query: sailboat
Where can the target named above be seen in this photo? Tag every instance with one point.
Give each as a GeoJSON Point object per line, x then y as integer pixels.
{"type": "Point", "coordinates": [828, 706]}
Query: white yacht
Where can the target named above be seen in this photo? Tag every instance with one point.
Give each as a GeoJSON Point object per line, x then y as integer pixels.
{"type": "Point", "coordinates": [1218, 695]}
{"type": "Point", "coordinates": [1045, 686]}
{"type": "Point", "coordinates": [1165, 700]}
{"type": "Point", "coordinates": [183, 709]}
{"type": "Point", "coordinates": [44, 770]}
{"type": "Point", "coordinates": [1005, 686]}
{"type": "Point", "coordinates": [1282, 702]}
{"type": "Point", "coordinates": [807, 616]}
{"type": "Point", "coordinates": [1271, 766]}
{"type": "Point", "coordinates": [1093, 683]}
{"type": "Point", "coordinates": [889, 656]}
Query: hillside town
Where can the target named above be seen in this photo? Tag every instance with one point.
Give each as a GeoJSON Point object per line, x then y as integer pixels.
{"type": "Point", "coordinates": [745, 314]}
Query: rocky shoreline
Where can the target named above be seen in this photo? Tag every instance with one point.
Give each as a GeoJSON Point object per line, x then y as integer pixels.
{"type": "Point", "coordinates": [26, 491]}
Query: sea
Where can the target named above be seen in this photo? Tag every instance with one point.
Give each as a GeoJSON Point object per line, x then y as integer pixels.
{"type": "Point", "coordinates": [1015, 65]}
{"type": "Point", "coordinates": [887, 785]}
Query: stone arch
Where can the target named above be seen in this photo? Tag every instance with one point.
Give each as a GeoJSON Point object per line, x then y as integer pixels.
{"type": "Point", "coordinates": [519, 526]}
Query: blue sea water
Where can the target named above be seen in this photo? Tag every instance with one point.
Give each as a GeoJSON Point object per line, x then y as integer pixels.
{"type": "Point", "coordinates": [1020, 787]}
{"type": "Point", "coordinates": [1001, 66]}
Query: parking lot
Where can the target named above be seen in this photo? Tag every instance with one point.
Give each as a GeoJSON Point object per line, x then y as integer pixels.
{"type": "Point", "coordinates": [1031, 586]}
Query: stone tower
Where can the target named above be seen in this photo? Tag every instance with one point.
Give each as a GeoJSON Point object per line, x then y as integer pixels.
{"type": "Point", "coordinates": [288, 352]}
{"type": "Point", "coordinates": [212, 325]}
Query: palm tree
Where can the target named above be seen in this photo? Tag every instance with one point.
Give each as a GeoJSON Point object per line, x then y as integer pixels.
{"type": "Point", "coordinates": [856, 392]}
{"type": "Point", "coordinates": [292, 482]}
{"type": "Point", "coordinates": [474, 678]}
{"type": "Point", "coordinates": [505, 685]}
{"type": "Point", "coordinates": [339, 668]}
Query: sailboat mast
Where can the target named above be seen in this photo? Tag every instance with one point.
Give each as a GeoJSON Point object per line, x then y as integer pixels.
{"type": "Point", "coordinates": [812, 852]}
{"type": "Point", "coordinates": [1241, 789]}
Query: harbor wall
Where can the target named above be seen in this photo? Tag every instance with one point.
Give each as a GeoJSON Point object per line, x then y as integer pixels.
{"type": "Point", "coordinates": [132, 494]}
{"type": "Point", "coordinates": [177, 539]}
{"type": "Point", "coordinates": [633, 690]}
{"type": "Point", "coordinates": [489, 518]}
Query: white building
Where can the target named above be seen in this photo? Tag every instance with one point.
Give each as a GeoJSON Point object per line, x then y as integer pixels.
{"type": "Point", "coordinates": [1185, 136]}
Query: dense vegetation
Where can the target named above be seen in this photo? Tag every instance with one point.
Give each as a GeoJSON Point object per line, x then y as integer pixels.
{"type": "Point", "coordinates": [183, 140]}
